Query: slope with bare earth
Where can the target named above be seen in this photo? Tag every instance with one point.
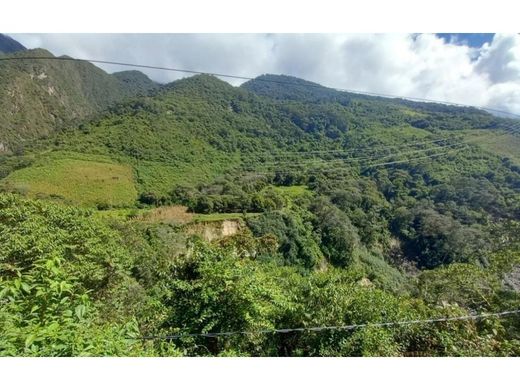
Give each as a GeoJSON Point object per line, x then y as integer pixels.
{"type": "Point", "coordinates": [39, 96]}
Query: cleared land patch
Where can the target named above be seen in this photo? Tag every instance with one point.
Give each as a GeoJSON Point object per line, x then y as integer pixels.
{"type": "Point", "coordinates": [76, 180]}
{"type": "Point", "coordinates": [503, 144]}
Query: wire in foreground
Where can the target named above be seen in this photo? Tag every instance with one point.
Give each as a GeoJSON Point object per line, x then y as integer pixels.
{"type": "Point", "coordinates": [337, 327]}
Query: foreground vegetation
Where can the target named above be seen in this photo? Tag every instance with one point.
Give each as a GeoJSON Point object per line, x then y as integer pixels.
{"type": "Point", "coordinates": [72, 284]}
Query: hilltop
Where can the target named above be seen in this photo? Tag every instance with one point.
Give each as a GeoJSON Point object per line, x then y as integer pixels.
{"type": "Point", "coordinates": [38, 97]}
{"type": "Point", "coordinates": [198, 207]}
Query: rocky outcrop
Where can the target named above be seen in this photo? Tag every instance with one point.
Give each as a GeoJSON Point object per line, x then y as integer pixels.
{"type": "Point", "coordinates": [214, 230]}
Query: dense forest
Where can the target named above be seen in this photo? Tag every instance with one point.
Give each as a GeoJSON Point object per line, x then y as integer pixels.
{"type": "Point", "coordinates": [156, 216]}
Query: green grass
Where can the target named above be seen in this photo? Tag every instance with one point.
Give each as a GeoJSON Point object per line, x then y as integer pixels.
{"type": "Point", "coordinates": [293, 191]}
{"type": "Point", "coordinates": [161, 178]}
{"type": "Point", "coordinates": [412, 113]}
{"type": "Point", "coordinates": [152, 216]}
{"type": "Point", "coordinates": [78, 179]}
{"type": "Point", "coordinates": [396, 134]}
{"type": "Point", "coordinates": [506, 145]}
{"type": "Point", "coordinates": [121, 214]}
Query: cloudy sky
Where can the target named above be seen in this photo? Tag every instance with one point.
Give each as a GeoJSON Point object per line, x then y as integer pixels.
{"type": "Point", "coordinates": [475, 69]}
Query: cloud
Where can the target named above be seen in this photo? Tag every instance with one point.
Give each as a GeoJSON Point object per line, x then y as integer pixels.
{"type": "Point", "coordinates": [501, 59]}
{"type": "Point", "coordinates": [418, 65]}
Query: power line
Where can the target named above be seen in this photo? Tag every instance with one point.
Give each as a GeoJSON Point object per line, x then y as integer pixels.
{"type": "Point", "coordinates": [324, 163]}
{"type": "Point", "coordinates": [246, 78]}
{"type": "Point", "coordinates": [359, 158]}
{"type": "Point", "coordinates": [391, 155]}
{"type": "Point", "coordinates": [414, 159]}
{"type": "Point", "coordinates": [274, 171]}
{"type": "Point", "coordinates": [333, 327]}
{"type": "Point", "coordinates": [513, 130]}
{"type": "Point", "coordinates": [349, 150]}
{"type": "Point", "coordinates": [510, 131]}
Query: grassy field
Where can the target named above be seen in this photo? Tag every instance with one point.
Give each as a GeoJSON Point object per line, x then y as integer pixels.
{"type": "Point", "coordinates": [506, 145]}
{"type": "Point", "coordinates": [177, 214]}
{"type": "Point", "coordinates": [293, 191]}
{"type": "Point", "coordinates": [78, 179]}
{"type": "Point", "coordinates": [121, 214]}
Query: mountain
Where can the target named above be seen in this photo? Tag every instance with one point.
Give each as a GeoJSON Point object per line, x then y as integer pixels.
{"type": "Point", "coordinates": [284, 87]}
{"type": "Point", "coordinates": [9, 45]}
{"type": "Point", "coordinates": [135, 82]}
{"type": "Point", "coordinates": [195, 129]}
{"type": "Point", "coordinates": [337, 209]}
{"type": "Point", "coordinates": [38, 97]}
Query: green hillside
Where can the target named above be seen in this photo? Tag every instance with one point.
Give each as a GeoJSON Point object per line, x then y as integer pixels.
{"type": "Point", "coordinates": [80, 179]}
{"type": "Point", "coordinates": [504, 144]}
{"type": "Point", "coordinates": [352, 209]}
{"type": "Point", "coordinates": [197, 128]}
{"type": "Point", "coordinates": [38, 97]}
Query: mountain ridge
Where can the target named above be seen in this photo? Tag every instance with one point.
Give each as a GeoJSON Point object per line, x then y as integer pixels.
{"type": "Point", "coordinates": [9, 45]}
{"type": "Point", "coordinates": [347, 209]}
{"type": "Point", "coordinates": [38, 97]}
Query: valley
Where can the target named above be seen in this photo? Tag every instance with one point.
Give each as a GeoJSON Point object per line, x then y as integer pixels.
{"type": "Point", "coordinates": [132, 211]}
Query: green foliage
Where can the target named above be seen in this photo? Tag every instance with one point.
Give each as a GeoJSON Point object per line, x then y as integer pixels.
{"type": "Point", "coordinates": [326, 241]}
{"type": "Point", "coordinates": [38, 97]}
{"type": "Point", "coordinates": [60, 298]}
{"type": "Point", "coordinates": [45, 313]}
{"type": "Point", "coordinates": [31, 231]}
{"type": "Point", "coordinates": [339, 238]}
{"type": "Point", "coordinates": [213, 290]}
{"type": "Point", "coordinates": [226, 196]}
{"type": "Point", "coordinates": [297, 243]}
{"type": "Point", "coordinates": [78, 179]}
{"type": "Point", "coordinates": [437, 239]}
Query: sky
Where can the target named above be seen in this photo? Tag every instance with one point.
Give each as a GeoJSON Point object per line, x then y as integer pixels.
{"type": "Point", "coordinates": [472, 69]}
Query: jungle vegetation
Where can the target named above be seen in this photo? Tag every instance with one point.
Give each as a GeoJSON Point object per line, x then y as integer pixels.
{"type": "Point", "coordinates": [351, 209]}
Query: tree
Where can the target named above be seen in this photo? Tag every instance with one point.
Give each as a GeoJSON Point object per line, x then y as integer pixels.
{"type": "Point", "coordinates": [216, 291]}
{"type": "Point", "coordinates": [339, 238]}
{"type": "Point", "coordinates": [294, 235]}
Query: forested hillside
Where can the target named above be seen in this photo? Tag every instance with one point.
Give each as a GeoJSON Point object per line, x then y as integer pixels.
{"type": "Point", "coordinates": [346, 209]}
{"type": "Point", "coordinates": [38, 97]}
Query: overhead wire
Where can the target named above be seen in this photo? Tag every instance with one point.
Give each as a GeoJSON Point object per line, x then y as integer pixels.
{"type": "Point", "coordinates": [312, 85]}
{"type": "Point", "coordinates": [511, 130]}
{"type": "Point", "coordinates": [260, 79]}
{"type": "Point", "coordinates": [361, 158]}
{"type": "Point", "coordinates": [348, 168]}
{"type": "Point", "coordinates": [478, 316]}
{"type": "Point", "coordinates": [349, 150]}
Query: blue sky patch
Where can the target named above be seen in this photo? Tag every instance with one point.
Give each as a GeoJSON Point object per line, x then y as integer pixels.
{"type": "Point", "coordinates": [472, 40]}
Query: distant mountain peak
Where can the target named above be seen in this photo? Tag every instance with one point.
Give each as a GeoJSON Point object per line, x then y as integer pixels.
{"type": "Point", "coordinates": [284, 87]}
{"type": "Point", "coordinates": [201, 84]}
{"type": "Point", "coordinates": [285, 79]}
{"type": "Point", "coordinates": [136, 81]}
{"type": "Point", "coordinates": [9, 45]}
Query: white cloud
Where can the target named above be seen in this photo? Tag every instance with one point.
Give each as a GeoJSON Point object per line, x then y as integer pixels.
{"type": "Point", "coordinates": [501, 59]}
{"type": "Point", "coordinates": [423, 66]}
